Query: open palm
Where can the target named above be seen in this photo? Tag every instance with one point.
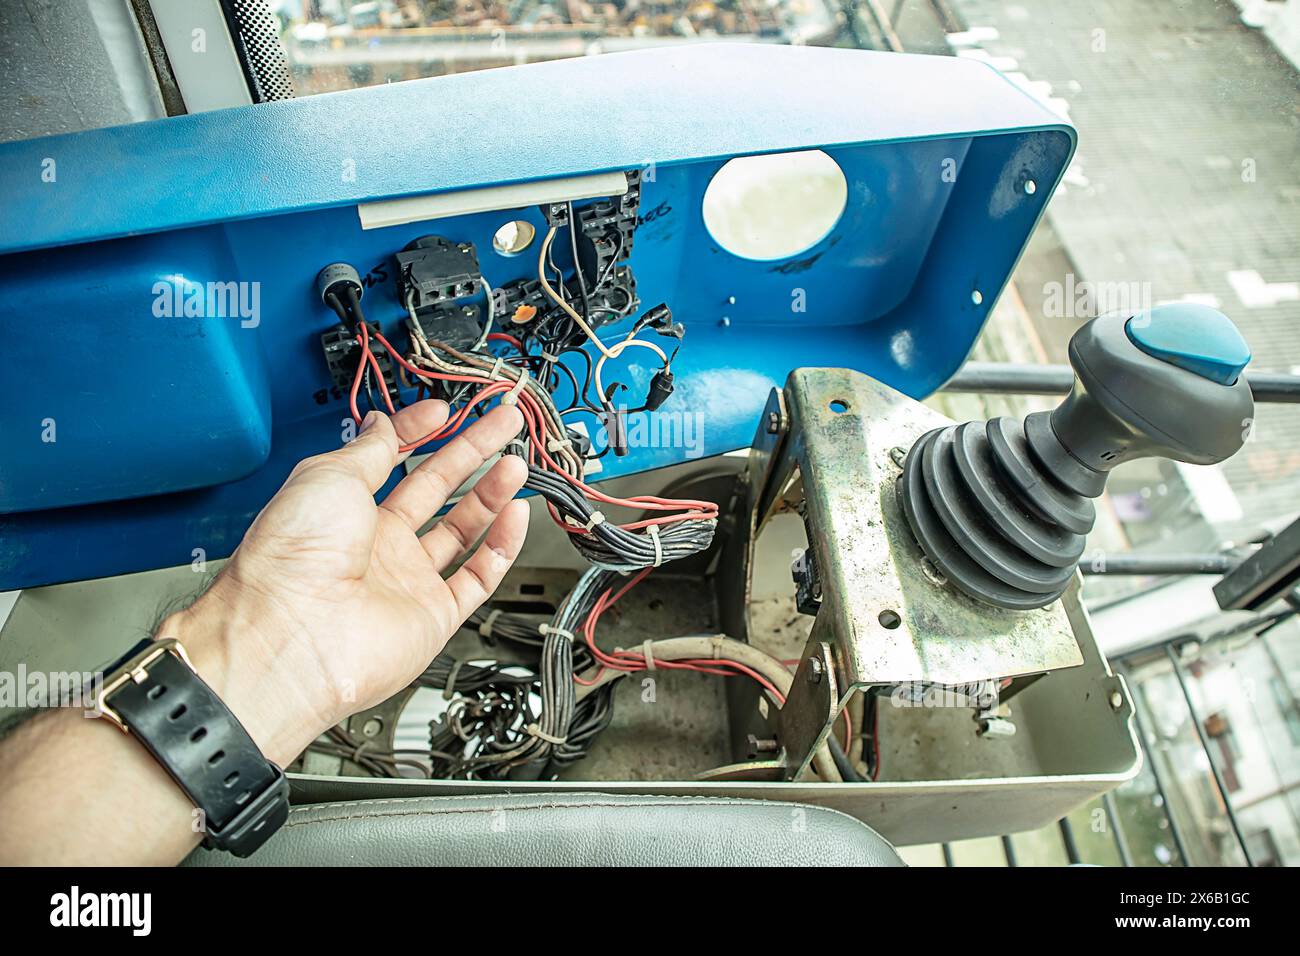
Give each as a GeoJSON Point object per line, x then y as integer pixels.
{"type": "Point", "coordinates": [345, 591]}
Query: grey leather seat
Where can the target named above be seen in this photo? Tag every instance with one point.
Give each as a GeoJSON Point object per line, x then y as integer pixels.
{"type": "Point", "coordinates": [572, 829]}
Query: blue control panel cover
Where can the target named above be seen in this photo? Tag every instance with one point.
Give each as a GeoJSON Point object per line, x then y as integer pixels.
{"type": "Point", "coordinates": [1194, 337]}
{"type": "Point", "coordinates": [164, 370]}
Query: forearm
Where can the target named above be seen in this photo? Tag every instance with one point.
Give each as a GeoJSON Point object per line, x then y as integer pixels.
{"type": "Point", "coordinates": [76, 790]}
{"type": "Point", "coordinates": [288, 636]}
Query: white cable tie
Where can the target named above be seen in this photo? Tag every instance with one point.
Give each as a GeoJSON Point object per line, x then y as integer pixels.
{"type": "Point", "coordinates": [512, 397]}
{"type": "Point", "coordinates": [496, 367]}
{"type": "Point", "coordinates": [716, 641]}
{"type": "Point", "coordinates": [450, 690]}
{"type": "Point", "coordinates": [535, 731]}
{"type": "Point", "coordinates": [549, 357]}
{"type": "Point", "coordinates": [648, 650]}
{"type": "Point", "coordinates": [545, 629]}
{"type": "Point", "coordinates": [555, 444]}
{"type": "Point", "coordinates": [653, 532]}
{"type": "Point", "coordinates": [485, 629]}
{"type": "Point", "coordinates": [595, 519]}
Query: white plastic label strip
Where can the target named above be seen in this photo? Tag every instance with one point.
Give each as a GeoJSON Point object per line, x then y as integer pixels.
{"type": "Point", "coordinates": [397, 212]}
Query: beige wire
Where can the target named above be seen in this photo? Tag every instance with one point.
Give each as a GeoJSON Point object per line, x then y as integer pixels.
{"type": "Point", "coordinates": [606, 352]}
{"type": "Point", "coordinates": [469, 365]}
{"type": "Point", "coordinates": [720, 647]}
{"type": "Point", "coordinates": [546, 287]}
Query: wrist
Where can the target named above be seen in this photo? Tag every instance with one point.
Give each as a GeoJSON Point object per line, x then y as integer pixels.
{"type": "Point", "coordinates": [280, 700]}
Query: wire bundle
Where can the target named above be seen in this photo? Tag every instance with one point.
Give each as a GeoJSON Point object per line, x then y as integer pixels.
{"type": "Point", "coordinates": [613, 547]}
{"type": "Point", "coordinates": [679, 527]}
{"type": "Point", "coordinates": [506, 721]}
{"type": "Point", "coordinates": [513, 721]}
{"type": "Point", "coordinates": [493, 722]}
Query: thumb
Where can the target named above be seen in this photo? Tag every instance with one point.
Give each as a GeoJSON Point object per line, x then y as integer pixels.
{"type": "Point", "coordinates": [373, 454]}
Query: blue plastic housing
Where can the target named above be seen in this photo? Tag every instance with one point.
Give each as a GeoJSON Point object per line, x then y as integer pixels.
{"type": "Point", "coordinates": [132, 437]}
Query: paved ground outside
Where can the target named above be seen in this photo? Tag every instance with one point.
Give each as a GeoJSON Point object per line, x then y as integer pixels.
{"type": "Point", "coordinates": [1186, 184]}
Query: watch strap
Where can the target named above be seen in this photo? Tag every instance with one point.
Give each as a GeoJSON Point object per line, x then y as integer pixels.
{"type": "Point", "coordinates": [202, 745]}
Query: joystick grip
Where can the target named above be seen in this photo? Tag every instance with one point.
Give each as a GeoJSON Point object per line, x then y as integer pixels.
{"type": "Point", "coordinates": [1002, 507]}
{"type": "Point", "coordinates": [1166, 382]}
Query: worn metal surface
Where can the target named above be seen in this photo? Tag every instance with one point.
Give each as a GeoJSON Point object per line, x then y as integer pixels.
{"type": "Point", "coordinates": [802, 729]}
{"type": "Point", "coordinates": [843, 426]}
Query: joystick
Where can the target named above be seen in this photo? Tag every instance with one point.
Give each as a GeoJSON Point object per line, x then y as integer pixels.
{"type": "Point", "coordinates": [1002, 507]}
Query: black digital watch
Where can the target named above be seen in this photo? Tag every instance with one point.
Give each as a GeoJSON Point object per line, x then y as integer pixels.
{"type": "Point", "coordinates": [155, 694]}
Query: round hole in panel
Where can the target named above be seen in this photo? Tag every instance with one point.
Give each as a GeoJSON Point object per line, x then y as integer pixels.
{"type": "Point", "coordinates": [774, 206]}
{"type": "Point", "coordinates": [513, 237]}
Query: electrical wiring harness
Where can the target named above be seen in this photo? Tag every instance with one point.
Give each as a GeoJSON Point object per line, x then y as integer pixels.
{"type": "Point", "coordinates": [529, 721]}
{"type": "Point", "coordinates": [526, 721]}
{"type": "Point", "coordinates": [675, 528]}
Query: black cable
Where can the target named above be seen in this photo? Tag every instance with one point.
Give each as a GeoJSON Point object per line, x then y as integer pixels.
{"type": "Point", "coordinates": [586, 377]}
{"type": "Point", "coordinates": [577, 265]}
{"type": "Point", "coordinates": [842, 762]}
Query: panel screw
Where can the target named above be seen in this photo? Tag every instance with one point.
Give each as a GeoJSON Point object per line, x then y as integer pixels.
{"type": "Point", "coordinates": [977, 297]}
{"type": "Point", "coordinates": [1116, 700]}
{"type": "Point", "coordinates": [1031, 187]}
{"type": "Point", "coordinates": [934, 574]}
{"type": "Point", "coordinates": [815, 670]}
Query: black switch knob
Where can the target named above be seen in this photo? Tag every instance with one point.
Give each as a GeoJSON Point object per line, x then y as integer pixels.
{"type": "Point", "coordinates": [1002, 507]}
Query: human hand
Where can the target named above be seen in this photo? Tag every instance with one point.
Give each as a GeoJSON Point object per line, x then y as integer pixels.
{"type": "Point", "coordinates": [332, 603]}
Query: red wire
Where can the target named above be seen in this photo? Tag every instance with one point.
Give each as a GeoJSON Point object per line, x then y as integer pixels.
{"type": "Point", "coordinates": [629, 661]}
{"type": "Point", "coordinates": [534, 417]}
{"type": "Point", "coordinates": [502, 337]}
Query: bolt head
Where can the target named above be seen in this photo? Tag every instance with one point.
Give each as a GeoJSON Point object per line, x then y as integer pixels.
{"type": "Point", "coordinates": [815, 670]}
{"type": "Point", "coordinates": [932, 573]}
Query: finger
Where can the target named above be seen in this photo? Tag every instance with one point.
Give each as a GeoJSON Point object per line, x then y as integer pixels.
{"type": "Point", "coordinates": [463, 524]}
{"type": "Point", "coordinates": [373, 454]}
{"type": "Point", "coordinates": [482, 573]}
{"type": "Point", "coordinates": [418, 420]}
{"type": "Point", "coordinates": [420, 494]}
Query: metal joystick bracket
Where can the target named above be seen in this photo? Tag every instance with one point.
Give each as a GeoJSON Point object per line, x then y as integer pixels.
{"type": "Point", "coordinates": [1002, 507]}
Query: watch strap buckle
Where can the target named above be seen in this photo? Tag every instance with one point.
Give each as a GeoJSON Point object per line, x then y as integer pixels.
{"type": "Point", "coordinates": [135, 669]}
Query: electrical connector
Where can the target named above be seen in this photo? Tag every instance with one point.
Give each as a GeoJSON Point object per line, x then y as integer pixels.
{"type": "Point", "coordinates": [661, 386]}
{"type": "Point", "coordinates": [335, 279]}
{"type": "Point", "coordinates": [432, 270]}
{"type": "Point", "coordinates": [451, 323]}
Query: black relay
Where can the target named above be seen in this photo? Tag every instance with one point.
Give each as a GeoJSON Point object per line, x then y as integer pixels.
{"type": "Point", "coordinates": [432, 269]}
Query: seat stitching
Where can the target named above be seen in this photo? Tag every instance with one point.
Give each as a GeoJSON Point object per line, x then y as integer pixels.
{"type": "Point", "coordinates": [697, 801]}
{"type": "Point", "coordinates": [433, 812]}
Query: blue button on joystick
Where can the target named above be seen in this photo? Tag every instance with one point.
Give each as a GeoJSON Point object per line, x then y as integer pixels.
{"type": "Point", "coordinates": [1194, 337]}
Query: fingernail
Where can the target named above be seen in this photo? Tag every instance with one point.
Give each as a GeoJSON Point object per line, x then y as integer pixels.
{"type": "Point", "coordinates": [370, 419]}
